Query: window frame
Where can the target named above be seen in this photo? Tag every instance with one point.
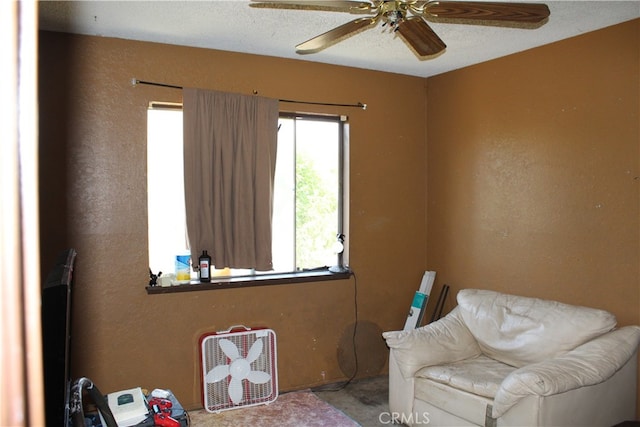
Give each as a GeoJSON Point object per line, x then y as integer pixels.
{"type": "Point", "coordinates": [279, 278]}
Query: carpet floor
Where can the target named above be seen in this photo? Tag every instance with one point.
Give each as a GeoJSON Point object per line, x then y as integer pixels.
{"type": "Point", "coordinates": [294, 409]}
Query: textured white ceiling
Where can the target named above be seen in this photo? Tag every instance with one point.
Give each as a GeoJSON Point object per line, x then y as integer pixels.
{"type": "Point", "coordinates": [233, 25]}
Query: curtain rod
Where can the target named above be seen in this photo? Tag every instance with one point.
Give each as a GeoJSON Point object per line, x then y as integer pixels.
{"type": "Point", "coordinates": [135, 82]}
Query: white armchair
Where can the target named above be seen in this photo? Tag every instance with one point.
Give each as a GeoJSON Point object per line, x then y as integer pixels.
{"type": "Point", "coordinates": [505, 360]}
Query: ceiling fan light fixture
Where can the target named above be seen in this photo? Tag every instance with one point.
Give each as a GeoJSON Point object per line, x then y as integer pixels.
{"type": "Point", "coordinates": [393, 18]}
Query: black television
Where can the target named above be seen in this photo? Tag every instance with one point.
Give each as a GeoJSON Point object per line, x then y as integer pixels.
{"type": "Point", "coordinates": [56, 338]}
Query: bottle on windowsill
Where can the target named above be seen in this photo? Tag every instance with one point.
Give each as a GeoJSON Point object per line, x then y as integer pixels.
{"type": "Point", "coordinates": [205, 267]}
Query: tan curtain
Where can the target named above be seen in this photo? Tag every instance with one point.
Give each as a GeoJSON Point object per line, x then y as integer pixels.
{"type": "Point", "coordinates": [229, 161]}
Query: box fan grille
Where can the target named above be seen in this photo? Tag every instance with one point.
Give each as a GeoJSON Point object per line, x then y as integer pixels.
{"type": "Point", "coordinates": [239, 368]}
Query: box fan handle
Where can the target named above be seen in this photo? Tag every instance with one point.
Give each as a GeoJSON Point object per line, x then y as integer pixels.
{"type": "Point", "coordinates": [234, 328]}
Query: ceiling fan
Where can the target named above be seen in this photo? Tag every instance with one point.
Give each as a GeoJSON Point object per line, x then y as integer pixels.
{"type": "Point", "coordinates": [408, 18]}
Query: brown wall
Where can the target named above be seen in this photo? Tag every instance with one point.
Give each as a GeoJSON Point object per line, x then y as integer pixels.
{"type": "Point", "coordinates": [93, 184]}
{"type": "Point", "coordinates": [533, 173]}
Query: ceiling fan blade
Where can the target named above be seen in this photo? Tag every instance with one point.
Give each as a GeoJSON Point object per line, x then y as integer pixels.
{"type": "Point", "coordinates": [420, 36]}
{"type": "Point", "coordinates": [325, 40]}
{"type": "Point", "coordinates": [488, 11]}
{"type": "Point", "coordinates": [340, 6]}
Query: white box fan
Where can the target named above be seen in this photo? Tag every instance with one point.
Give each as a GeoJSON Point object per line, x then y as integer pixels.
{"type": "Point", "coordinates": [239, 368]}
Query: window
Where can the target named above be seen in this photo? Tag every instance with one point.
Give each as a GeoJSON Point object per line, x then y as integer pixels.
{"type": "Point", "coordinates": [165, 189]}
{"type": "Point", "coordinates": [308, 192]}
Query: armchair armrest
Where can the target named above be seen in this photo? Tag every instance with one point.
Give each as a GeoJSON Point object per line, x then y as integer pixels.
{"type": "Point", "coordinates": [447, 340]}
{"type": "Point", "coordinates": [588, 364]}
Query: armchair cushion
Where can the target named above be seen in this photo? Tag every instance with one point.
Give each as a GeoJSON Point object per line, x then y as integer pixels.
{"type": "Point", "coordinates": [479, 375]}
{"type": "Point", "coordinates": [519, 331]}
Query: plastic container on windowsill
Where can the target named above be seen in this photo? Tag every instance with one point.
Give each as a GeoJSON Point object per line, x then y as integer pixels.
{"type": "Point", "coordinates": [183, 267]}
{"type": "Point", "coordinates": [167, 280]}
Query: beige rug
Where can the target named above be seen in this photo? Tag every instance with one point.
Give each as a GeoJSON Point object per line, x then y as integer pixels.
{"type": "Point", "coordinates": [295, 409]}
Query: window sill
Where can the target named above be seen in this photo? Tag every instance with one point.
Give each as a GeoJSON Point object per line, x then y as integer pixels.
{"type": "Point", "coordinates": [249, 281]}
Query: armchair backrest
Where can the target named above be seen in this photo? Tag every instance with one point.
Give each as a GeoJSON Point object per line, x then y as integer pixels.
{"type": "Point", "coordinates": [519, 330]}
